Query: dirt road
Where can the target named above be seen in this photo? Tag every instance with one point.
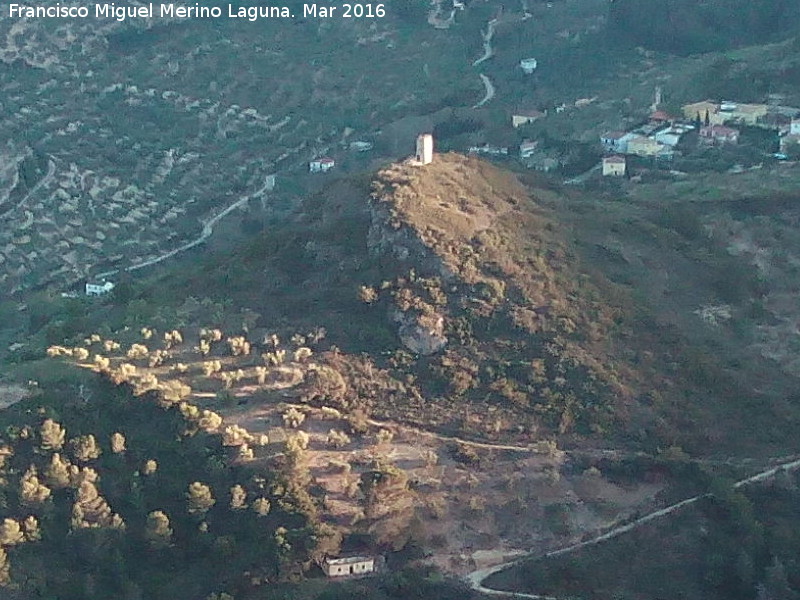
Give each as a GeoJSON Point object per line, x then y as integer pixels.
{"type": "Point", "coordinates": [477, 577]}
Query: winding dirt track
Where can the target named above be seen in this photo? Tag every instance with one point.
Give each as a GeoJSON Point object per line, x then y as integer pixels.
{"type": "Point", "coordinates": [487, 83]}
{"type": "Point", "coordinates": [51, 170]}
{"type": "Point", "coordinates": [208, 229]}
{"type": "Point", "coordinates": [477, 577]}
{"type": "Point", "coordinates": [488, 52]}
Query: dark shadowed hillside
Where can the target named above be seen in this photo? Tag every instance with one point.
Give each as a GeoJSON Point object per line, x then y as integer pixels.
{"type": "Point", "coordinates": [694, 26]}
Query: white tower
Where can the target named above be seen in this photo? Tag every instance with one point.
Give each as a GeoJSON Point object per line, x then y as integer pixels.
{"type": "Point", "coordinates": [424, 154]}
{"type": "Point", "coordinates": [657, 99]}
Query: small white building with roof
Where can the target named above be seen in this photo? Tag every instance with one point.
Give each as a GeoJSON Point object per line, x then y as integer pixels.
{"type": "Point", "coordinates": [321, 165]}
{"type": "Point", "coordinates": [348, 566]}
{"type": "Point", "coordinates": [98, 288]}
{"type": "Point", "coordinates": [614, 166]}
{"type": "Point", "coordinates": [528, 65]}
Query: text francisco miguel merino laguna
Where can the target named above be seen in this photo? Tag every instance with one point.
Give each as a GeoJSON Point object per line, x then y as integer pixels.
{"type": "Point", "coordinates": [150, 10]}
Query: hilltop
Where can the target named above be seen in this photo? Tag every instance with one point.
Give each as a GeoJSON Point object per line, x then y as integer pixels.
{"type": "Point", "coordinates": [456, 280]}
{"type": "Point", "coordinates": [411, 339]}
{"type": "Point", "coordinates": [466, 299]}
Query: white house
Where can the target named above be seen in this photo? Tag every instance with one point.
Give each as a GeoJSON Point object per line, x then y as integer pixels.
{"type": "Point", "coordinates": [617, 141]}
{"type": "Point", "coordinates": [98, 288]}
{"type": "Point", "coordinates": [794, 128]}
{"type": "Point", "coordinates": [528, 65]}
{"type": "Point", "coordinates": [424, 153]}
{"type": "Point", "coordinates": [269, 183]}
{"type": "Point", "coordinates": [527, 149]}
{"type": "Point", "coordinates": [672, 135]}
{"type": "Point", "coordinates": [321, 165]}
{"type": "Point", "coordinates": [351, 565]}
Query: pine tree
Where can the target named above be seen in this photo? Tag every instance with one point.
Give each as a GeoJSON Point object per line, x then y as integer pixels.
{"type": "Point", "coordinates": [92, 510]}
{"type": "Point", "coordinates": [31, 490]}
{"type": "Point", "coordinates": [31, 527]}
{"type": "Point", "coordinates": [85, 448]}
{"type": "Point", "coordinates": [77, 475]}
{"type": "Point", "coordinates": [199, 498]}
{"type": "Point", "coordinates": [238, 497]}
{"type": "Point", "coordinates": [52, 435]}
{"type": "Point", "coordinates": [261, 506]}
{"type": "Point", "coordinates": [157, 529]}
{"type": "Point", "coordinates": [117, 443]}
{"type": "Point", "coordinates": [57, 472]}
{"type": "Point", "coordinates": [6, 452]}
{"type": "Point", "coordinates": [11, 533]}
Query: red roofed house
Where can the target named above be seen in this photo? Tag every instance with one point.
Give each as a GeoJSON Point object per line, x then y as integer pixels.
{"type": "Point", "coordinates": [660, 116]}
{"type": "Point", "coordinates": [321, 165]}
{"type": "Point", "coordinates": [614, 166]}
{"type": "Point", "coordinates": [719, 134]}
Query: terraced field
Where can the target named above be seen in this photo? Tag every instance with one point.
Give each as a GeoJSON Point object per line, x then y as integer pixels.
{"type": "Point", "coordinates": [124, 138]}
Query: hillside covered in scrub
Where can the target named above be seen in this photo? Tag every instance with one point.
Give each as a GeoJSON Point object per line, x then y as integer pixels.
{"type": "Point", "coordinates": [694, 26]}
{"type": "Point", "coordinates": [451, 298]}
{"type": "Point", "coordinates": [408, 351]}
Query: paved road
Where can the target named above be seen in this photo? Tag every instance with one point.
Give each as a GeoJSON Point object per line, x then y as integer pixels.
{"type": "Point", "coordinates": [477, 577]}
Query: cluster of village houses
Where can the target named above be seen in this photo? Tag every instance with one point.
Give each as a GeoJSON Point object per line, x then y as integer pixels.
{"type": "Point", "coordinates": [716, 123]}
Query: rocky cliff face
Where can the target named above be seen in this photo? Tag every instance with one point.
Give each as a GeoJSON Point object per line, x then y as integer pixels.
{"type": "Point", "coordinates": [420, 332]}
{"type": "Point", "coordinates": [389, 237]}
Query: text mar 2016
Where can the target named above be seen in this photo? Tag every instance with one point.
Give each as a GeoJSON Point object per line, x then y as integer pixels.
{"type": "Point", "coordinates": [172, 11]}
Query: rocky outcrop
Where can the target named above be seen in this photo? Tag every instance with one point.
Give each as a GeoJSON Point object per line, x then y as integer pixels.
{"type": "Point", "coordinates": [421, 334]}
{"type": "Point", "coordinates": [389, 237]}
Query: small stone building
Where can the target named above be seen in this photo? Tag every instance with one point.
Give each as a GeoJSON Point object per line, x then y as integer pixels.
{"type": "Point", "coordinates": [347, 566]}
{"type": "Point", "coordinates": [614, 166]}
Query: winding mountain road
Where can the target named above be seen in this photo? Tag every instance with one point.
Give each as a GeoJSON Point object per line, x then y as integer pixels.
{"type": "Point", "coordinates": [488, 52]}
{"type": "Point", "coordinates": [477, 577]}
{"type": "Point", "coordinates": [208, 229]}
{"type": "Point", "coordinates": [487, 83]}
